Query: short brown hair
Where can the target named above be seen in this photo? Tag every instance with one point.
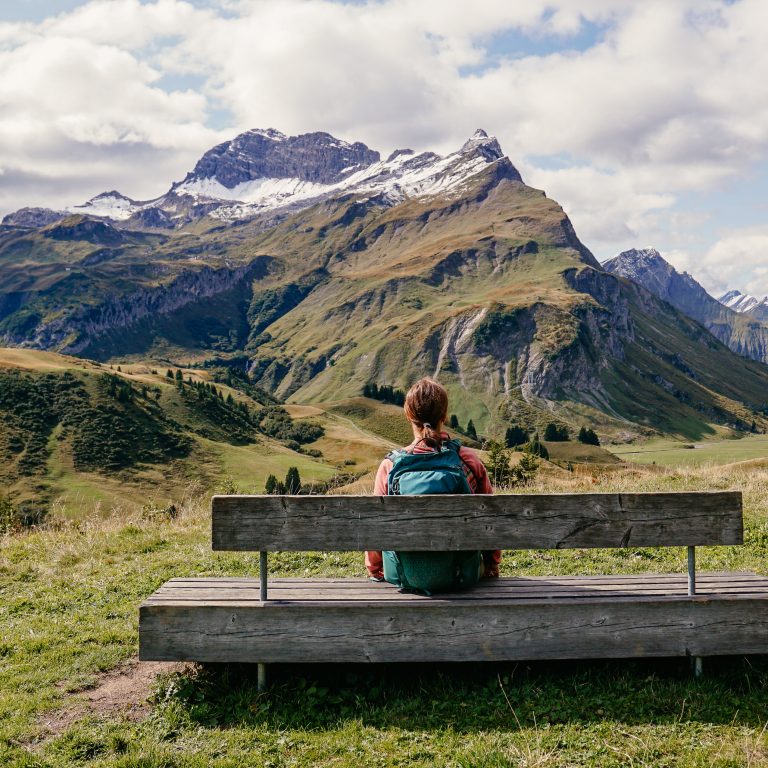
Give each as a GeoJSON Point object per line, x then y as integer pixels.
{"type": "Point", "coordinates": [426, 406]}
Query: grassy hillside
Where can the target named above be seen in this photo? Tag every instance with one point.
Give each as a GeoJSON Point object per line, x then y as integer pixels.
{"type": "Point", "coordinates": [77, 434]}
{"type": "Point", "coordinates": [69, 615]}
{"type": "Point", "coordinates": [679, 453]}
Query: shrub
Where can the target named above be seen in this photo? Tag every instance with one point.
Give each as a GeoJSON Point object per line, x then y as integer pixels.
{"type": "Point", "coordinates": [526, 469]}
{"type": "Point", "coordinates": [9, 520]}
{"type": "Point", "coordinates": [502, 473]}
{"type": "Point", "coordinates": [497, 464]}
{"type": "Point", "coordinates": [153, 512]}
{"type": "Point", "coordinates": [536, 448]}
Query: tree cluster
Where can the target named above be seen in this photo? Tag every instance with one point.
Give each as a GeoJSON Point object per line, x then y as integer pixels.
{"type": "Point", "coordinates": [588, 436]}
{"type": "Point", "coordinates": [291, 485]}
{"type": "Point", "coordinates": [536, 447]}
{"type": "Point", "coordinates": [556, 433]}
{"type": "Point", "coordinates": [515, 435]}
{"type": "Point", "coordinates": [469, 430]}
{"type": "Point", "coordinates": [276, 422]}
{"type": "Point", "coordinates": [386, 393]}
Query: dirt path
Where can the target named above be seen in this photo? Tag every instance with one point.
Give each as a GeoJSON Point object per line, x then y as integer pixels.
{"type": "Point", "coordinates": [120, 692]}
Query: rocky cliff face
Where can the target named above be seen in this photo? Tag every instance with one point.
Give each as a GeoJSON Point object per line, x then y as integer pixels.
{"type": "Point", "coordinates": [33, 217]}
{"type": "Point", "coordinates": [75, 331]}
{"type": "Point", "coordinates": [315, 157]}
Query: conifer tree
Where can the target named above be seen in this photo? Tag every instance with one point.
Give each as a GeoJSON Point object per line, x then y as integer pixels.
{"type": "Point", "coordinates": [588, 436]}
{"type": "Point", "coordinates": [292, 481]}
{"type": "Point", "coordinates": [515, 436]}
{"type": "Point", "coordinates": [271, 485]}
{"type": "Point", "coordinates": [536, 448]}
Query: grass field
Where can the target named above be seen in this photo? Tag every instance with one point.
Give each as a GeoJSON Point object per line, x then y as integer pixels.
{"type": "Point", "coordinates": [675, 452]}
{"type": "Point", "coordinates": [69, 594]}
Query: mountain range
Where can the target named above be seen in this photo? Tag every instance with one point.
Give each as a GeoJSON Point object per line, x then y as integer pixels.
{"type": "Point", "coordinates": [318, 267]}
{"type": "Point", "coordinates": [735, 319]}
{"type": "Point", "coordinates": [746, 304]}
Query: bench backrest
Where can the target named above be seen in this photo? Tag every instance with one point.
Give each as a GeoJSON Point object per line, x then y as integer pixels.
{"type": "Point", "coordinates": [525, 521]}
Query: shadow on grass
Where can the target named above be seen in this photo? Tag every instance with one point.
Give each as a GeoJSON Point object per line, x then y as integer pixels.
{"type": "Point", "coordinates": [471, 697]}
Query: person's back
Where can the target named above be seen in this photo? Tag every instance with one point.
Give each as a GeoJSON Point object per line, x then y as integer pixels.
{"type": "Point", "coordinates": [426, 408]}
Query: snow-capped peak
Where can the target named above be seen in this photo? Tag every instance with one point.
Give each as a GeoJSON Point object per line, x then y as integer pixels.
{"type": "Point", "coordinates": [263, 170]}
{"type": "Point", "coordinates": [268, 133]}
{"type": "Point", "coordinates": [481, 142]}
{"type": "Point", "coordinates": [112, 205]}
{"type": "Point", "coordinates": [402, 175]}
{"type": "Point", "coordinates": [741, 302]}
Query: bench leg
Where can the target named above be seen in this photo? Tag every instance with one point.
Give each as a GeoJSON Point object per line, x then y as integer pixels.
{"type": "Point", "coordinates": [697, 666]}
{"type": "Point", "coordinates": [262, 677]}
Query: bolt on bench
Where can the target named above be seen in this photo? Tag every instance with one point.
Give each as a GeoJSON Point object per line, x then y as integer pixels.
{"type": "Point", "coordinates": [563, 617]}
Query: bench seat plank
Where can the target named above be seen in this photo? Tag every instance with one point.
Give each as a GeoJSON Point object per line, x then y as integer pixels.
{"type": "Point", "coordinates": [526, 521]}
{"type": "Point", "coordinates": [347, 620]}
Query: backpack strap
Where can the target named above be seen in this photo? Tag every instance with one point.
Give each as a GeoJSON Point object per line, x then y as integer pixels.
{"type": "Point", "coordinates": [455, 445]}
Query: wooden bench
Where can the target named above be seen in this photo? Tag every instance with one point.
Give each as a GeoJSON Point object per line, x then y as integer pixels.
{"type": "Point", "coordinates": [563, 617]}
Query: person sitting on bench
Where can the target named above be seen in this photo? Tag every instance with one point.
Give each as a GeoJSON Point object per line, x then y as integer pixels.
{"type": "Point", "coordinates": [426, 408]}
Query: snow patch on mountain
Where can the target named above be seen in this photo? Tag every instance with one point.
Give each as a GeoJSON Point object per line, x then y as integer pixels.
{"type": "Point", "coordinates": [110, 205]}
{"type": "Point", "coordinates": [741, 302]}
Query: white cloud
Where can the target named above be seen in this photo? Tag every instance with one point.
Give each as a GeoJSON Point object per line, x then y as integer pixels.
{"type": "Point", "coordinates": [78, 115]}
{"type": "Point", "coordinates": [606, 208]}
{"type": "Point", "coordinates": [738, 259]}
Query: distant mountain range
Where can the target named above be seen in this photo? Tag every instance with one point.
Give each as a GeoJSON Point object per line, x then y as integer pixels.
{"type": "Point", "coordinates": [735, 319]}
{"type": "Point", "coordinates": [746, 304]}
{"type": "Point", "coordinates": [318, 267]}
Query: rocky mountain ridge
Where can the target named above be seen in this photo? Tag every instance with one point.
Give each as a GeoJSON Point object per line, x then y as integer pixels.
{"type": "Point", "coordinates": [755, 308]}
{"type": "Point", "coordinates": [265, 171]}
{"type": "Point", "coordinates": [740, 331]}
{"type": "Point", "coordinates": [738, 301]}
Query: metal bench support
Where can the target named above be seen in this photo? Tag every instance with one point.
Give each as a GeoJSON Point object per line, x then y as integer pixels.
{"type": "Point", "coordinates": [697, 663]}
{"type": "Point", "coordinates": [262, 673]}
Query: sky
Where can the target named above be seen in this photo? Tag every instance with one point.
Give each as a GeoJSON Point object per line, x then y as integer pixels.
{"type": "Point", "coordinates": [647, 121]}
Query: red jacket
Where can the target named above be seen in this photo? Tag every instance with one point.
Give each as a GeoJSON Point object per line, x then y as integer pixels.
{"type": "Point", "coordinates": [478, 482]}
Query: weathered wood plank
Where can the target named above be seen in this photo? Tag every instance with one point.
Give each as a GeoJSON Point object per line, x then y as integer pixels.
{"type": "Point", "coordinates": [551, 521]}
{"type": "Point", "coordinates": [618, 578]}
{"type": "Point", "coordinates": [446, 630]}
{"type": "Point", "coordinates": [246, 591]}
{"type": "Point", "coordinates": [508, 588]}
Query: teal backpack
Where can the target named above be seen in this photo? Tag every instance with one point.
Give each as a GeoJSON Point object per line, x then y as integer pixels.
{"type": "Point", "coordinates": [416, 474]}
